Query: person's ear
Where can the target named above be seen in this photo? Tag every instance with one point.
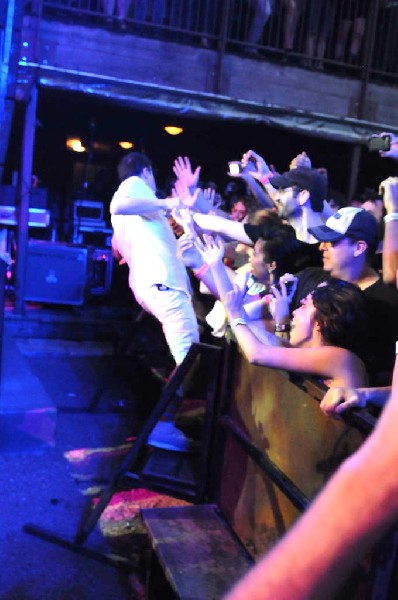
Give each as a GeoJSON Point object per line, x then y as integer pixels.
{"type": "Point", "coordinates": [303, 197]}
{"type": "Point", "coordinates": [317, 331]}
{"type": "Point", "coordinates": [361, 248]}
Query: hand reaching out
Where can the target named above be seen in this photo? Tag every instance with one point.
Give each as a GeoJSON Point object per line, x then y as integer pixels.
{"type": "Point", "coordinates": [183, 171]}
{"type": "Point", "coordinates": [183, 217]}
{"type": "Point", "coordinates": [211, 248]}
{"type": "Point", "coordinates": [255, 165]}
{"type": "Point", "coordinates": [189, 255]}
{"type": "Point", "coordinates": [206, 201]}
{"type": "Point", "coordinates": [233, 300]}
{"type": "Point", "coordinates": [183, 192]}
{"type": "Point", "coordinates": [209, 196]}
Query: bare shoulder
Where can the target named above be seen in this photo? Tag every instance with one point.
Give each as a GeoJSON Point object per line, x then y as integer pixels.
{"type": "Point", "coordinates": [348, 369]}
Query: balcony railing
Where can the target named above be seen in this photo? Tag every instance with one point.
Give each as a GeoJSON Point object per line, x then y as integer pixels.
{"type": "Point", "coordinates": [358, 38]}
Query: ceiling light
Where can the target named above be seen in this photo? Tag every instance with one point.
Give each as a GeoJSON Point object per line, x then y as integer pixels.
{"type": "Point", "coordinates": [173, 130]}
{"type": "Point", "coordinates": [75, 145]}
{"type": "Point", "coordinates": [126, 145]}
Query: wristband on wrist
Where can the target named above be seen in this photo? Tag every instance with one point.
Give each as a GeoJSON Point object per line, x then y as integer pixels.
{"type": "Point", "coordinates": [201, 271]}
{"type": "Point", "coordinates": [237, 321]}
{"type": "Point", "coordinates": [264, 179]}
{"type": "Point", "coordinates": [391, 217]}
{"type": "Point", "coordinates": [282, 327]}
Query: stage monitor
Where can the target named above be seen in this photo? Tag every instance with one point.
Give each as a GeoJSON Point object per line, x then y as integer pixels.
{"type": "Point", "coordinates": [88, 211]}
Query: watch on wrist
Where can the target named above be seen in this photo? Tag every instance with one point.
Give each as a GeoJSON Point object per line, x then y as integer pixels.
{"type": "Point", "coordinates": [282, 327]}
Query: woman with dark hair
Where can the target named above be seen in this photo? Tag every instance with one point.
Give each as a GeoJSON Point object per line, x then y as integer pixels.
{"type": "Point", "coordinates": [340, 312]}
{"type": "Point", "coordinates": [327, 330]}
{"type": "Point", "coordinates": [279, 250]}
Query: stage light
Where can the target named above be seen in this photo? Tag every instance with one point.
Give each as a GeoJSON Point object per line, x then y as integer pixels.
{"type": "Point", "coordinates": [126, 145]}
{"type": "Point", "coordinates": [173, 129]}
{"type": "Point", "coordinates": [75, 145]}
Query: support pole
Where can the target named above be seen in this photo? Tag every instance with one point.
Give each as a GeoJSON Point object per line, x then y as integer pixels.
{"type": "Point", "coordinates": [369, 41]}
{"type": "Point", "coordinates": [353, 181]}
{"type": "Point", "coordinates": [25, 189]}
{"type": "Point", "coordinates": [222, 42]}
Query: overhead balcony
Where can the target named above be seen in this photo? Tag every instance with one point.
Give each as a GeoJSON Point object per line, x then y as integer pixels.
{"type": "Point", "coordinates": [224, 59]}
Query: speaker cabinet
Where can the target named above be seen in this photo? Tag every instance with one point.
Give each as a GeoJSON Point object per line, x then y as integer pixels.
{"type": "Point", "coordinates": [56, 273]}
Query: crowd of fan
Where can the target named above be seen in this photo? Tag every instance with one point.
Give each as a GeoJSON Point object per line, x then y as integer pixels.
{"type": "Point", "coordinates": [292, 271]}
{"type": "Point", "coordinates": [311, 298]}
{"type": "Point", "coordinates": [298, 237]}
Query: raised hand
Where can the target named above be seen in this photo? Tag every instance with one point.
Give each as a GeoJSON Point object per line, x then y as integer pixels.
{"type": "Point", "coordinates": [389, 189]}
{"type": "Point", "coordinates": [233, 300]}
{"type": "Point", "coordinates": [393, 151]}
{"type": "Point", "coordinates": [183, 192]}
{"type": "Point", "coordinates": [255, 165]}
{"type": "Point", "coordinates": [183, 171]}
{"type": "Point", "coordinates": [288, 285]}
{"type": "Point", "coordinates": [211, 248]}
{"type": "Point", "coordinates": [206, 201]}
{"type": "Point", "coordinates": [278, 304]}
{"type": "Point", "coordinates": [188, 253]}
{"type": "Point", "coordinates": [212, 198]}
{"type": "Point", "coordinates": [301, 160]}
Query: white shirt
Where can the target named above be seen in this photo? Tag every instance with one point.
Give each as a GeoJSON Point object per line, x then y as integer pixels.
{"type": "Point", "coordinates": [147, 243]}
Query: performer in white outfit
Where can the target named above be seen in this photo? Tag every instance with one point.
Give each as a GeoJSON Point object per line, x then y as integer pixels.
{"type": "Point", "coordinates": [157, 277]}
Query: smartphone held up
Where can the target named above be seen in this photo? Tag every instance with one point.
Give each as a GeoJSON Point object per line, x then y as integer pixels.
{"type": "Point", "coordinates": [235, 167]}
{"type": "Point", "coordinates": [379, 143]}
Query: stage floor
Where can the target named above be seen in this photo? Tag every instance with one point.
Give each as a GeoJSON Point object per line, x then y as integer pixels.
{"type": "Point", "coordinates": [55, 455]}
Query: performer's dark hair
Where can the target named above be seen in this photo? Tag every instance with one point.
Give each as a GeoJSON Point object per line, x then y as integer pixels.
{"type": "Point", "coordinates": [133, 164]}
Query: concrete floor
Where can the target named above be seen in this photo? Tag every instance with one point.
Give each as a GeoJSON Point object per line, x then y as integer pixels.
{"type": "Point", "coordinates": [42, 478]}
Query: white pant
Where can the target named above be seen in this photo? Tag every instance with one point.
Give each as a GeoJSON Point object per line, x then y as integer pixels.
{"type": "Point", "coordinates": [174, 310]}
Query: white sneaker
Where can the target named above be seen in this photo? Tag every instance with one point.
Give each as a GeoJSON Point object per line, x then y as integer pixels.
{"type": "Point", "coordinates": [166, 435]}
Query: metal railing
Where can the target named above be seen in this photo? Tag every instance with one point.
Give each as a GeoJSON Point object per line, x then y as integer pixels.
{"type": "Point", "coordinates": [355, 37]}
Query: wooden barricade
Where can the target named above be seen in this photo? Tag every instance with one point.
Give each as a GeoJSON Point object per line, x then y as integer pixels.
{"type": "Point", "coordinates": [274, 450]}
{"type": "Point", "coordinates": [283, 421]}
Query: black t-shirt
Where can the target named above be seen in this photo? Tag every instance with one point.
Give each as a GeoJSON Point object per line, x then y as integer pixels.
{"type": "Point", "coordinates": [382, 304]}
{"type": "Point", "coordinates": [308, 255]}
{"type": "Point", "coordinates": [308, 280]}
{"type": "Point", "coordinates": [382, 307]}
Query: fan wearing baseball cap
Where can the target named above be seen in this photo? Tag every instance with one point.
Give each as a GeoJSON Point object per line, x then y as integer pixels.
{"type": "Point", "coordinates": [348, 241]}
{"type": "Point", "coordinates": [351, 222]}
{"type": "Point", "coordinates": [299, 196]}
